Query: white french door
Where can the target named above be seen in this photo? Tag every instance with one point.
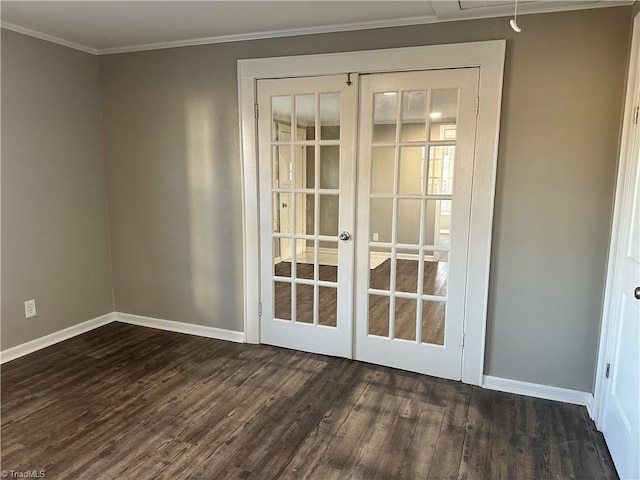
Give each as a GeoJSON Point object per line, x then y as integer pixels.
{"type": "Point", "coordinates": [399, 299]}
{"type": "Point", "coordinates": [416, 152]}
{"type": "Point", "coordinates": [306, 198]}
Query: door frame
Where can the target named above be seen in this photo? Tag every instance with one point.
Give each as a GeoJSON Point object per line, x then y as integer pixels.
{"type": "Point", "coordinates": [489, 57]}
{"type": "Point", "coordinates": [627, 162]}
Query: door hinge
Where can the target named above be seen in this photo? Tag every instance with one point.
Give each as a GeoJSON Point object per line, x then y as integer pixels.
{"type": "Point", "coordinates": [462, 339]}
{"type": "Point", "coordinates": [255, 109]}
{"type": "Point", "coordinates": [477, 105]}
{"type": "Point", "coordinates": [259, 309]}
{"type": "Point", "coordinates": [635, 114]}
{"type": "Point", "coordinates": [606, 373]}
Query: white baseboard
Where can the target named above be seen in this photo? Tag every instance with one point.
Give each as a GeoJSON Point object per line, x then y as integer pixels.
{"type": "Point", "coordinates": [75, 330]}
{"type": "Point", "coordinates": [539, 391]}
{"type": "Point", "coordinates": [590, 408]}
{"type": "Point", "coordinates": [179, 327]}
{"type": "Point", "coordinates": [53, 338]}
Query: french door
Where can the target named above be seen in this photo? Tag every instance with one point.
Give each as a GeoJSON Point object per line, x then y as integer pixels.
{"type": "Point", "coordinates": [398, 299]}
{"type": "Point", "coordinates": [306, 197]}
{"type": "Point", "coordinates": [416, 151]}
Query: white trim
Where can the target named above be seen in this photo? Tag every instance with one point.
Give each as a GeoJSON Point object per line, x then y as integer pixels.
{"type": "Point", "coordinates": [48, 38]}
{"type": "Point", "coordinates": [537, 390]}
{"type": "Point", "coordinates": [180, 327]}
{"type": "Point", "coordinates": [288, 32]}
{"type": "Point", "coordinates": [489, 56]}
{"type": "Point", "coordinates": [607, 327]}
{"type": "Point", "coordinates": [590, 410]}
{"type": "Point", "coordinates": [250, 208]}
{"type": "Point", "coordinates": [53, 338]}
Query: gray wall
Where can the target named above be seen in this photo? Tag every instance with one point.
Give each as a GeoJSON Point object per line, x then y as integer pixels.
{"type": "Point", "coordinates": [174, 184]}
{"type": "Point", "coordinates": [55, 243]}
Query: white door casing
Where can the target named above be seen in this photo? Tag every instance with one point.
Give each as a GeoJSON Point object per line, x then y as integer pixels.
{"type": "Point", "coordinates": [489, 56]}
{"type": "Point", "coordinates": [617, 394]}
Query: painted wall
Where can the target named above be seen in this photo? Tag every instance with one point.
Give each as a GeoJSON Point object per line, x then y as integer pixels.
{"type": "Point", "coordinates": [175, 193]}
{"type": "Point", "coordinates": [55, 242]}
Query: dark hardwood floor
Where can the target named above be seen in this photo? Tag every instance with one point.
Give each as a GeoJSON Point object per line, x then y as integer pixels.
{"type": "Point", "coordinates": [134, 403]}
{"type": "Point", "coordinates": [433, 313]}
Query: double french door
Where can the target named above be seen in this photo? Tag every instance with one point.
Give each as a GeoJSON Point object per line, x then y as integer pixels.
{"type": "Point", "coordinates": [364, 243]}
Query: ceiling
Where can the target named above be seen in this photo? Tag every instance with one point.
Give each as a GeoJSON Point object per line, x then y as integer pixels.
{"type": "Point", "coordinates": [101, 27]}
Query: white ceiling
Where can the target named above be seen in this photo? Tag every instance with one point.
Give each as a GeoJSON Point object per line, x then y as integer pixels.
{"type": "Point", "coordinates": [117, 26]}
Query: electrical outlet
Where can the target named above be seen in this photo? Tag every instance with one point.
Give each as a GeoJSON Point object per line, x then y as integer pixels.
{"type": "Point", "coordinates": [375, 237]}
{"type": "Point", "coordinates": [30, 308]}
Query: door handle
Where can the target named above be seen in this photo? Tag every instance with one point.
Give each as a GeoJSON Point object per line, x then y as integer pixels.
{"type": "Point", "coordinates": [344, 236]}
{"type": "Point", "coordinates": [636, 293]}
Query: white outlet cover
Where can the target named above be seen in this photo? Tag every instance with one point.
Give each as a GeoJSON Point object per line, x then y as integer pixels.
{"type": "Point", "coordinates": [30, 308]}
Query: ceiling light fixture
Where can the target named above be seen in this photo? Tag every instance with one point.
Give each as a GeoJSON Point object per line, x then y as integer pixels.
{"type": "Point", "coordinates": [435, 115]}
{"type": "Point", "coordinates": [514, 21]}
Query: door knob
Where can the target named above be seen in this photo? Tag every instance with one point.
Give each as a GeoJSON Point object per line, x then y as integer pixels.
{"type": "Point", "coordinates": [344, 236]}
{"type": "Point", "coordinates": [636, 293]}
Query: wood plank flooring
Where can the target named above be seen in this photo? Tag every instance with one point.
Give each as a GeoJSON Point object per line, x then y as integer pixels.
{"type": "Point", "coordinates": [433, 313]}
{"type": "Point", "coordinates": [128, 402]}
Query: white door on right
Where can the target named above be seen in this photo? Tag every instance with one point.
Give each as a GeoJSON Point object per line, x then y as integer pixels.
{"type": "Point", "coordinates": [621, 420]}
{"type": "Point", "coordinates": [416, 156]}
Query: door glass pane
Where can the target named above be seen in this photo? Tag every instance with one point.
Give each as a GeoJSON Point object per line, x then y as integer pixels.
{"type": "Point", "coordinates": [378, 315]}
{"type": "Point", "coordinates": [282, 300]}
{"type": "Point", "coordinates": [280, 113]}
{"type": "Point", "coordinates": [304, 260]}
{"type": "Point", "coordinates": [305, 213]}
{"type": "Point", "coordinates": [330, 116]}
{"type": "Point", "coordinates": [282, 213]}
{"type": "Point", "coordinates": [405, 322]}
{"type": "Point", "coordinates": [330, 166]}
{"type": "Point", "coordinates": [408, 221]}
{"type": "Point", "coordinates": [306, 115]}
{"type": "Point", "coordinates": [304, 303]}
{"type": "Point", "coordinates": [433, 318]}
{"type": "Point", "coordinates": [380, 268]}
{"type": "Point", "coordinates": [328, 261]}
{"type": "Point", "coordinates": [300, 166]}
{"type": "Point", "coordinates": [382, 167]}
{"type": "Point", "coordinates": [329, 209]}
{"type": "Point", "coordinates": [407, 266]}
{"type": "Point", "coordinates": [414, 116]}
{"type": "Point", "coordinates": [381, 212]}
{"type": "Point", "coordinates": [437, 221]}
{"type": "Point", "coordinates": [440, 170]}
{"type": "Point", "coordinates": [444, 113]}
{"type": "Point", "coordinates": [411, 170]}
{"type": "Point", "coordinates": [310, 161]}
{"type": "Point", "coordinates": [327, 306]}
{"type": "Point", "coordinates": [385, 106]}
{"type": "Point", "coordinates": [281, 268]}
{"type": "Point", "coordinates": [436, 273]}
{"type": "Point", "coordinates": [282, 169]}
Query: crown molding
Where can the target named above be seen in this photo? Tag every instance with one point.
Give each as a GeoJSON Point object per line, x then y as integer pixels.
{"type": "Point", "coordinates": [291, 32]}
{"type": "Point", "coordinates": [48, 38]}
{"type": "Point", "coordinates": [469, 14]}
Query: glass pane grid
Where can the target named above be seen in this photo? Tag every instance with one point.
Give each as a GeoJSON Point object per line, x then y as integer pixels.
{"type": "Point", "coordinates": [416, 208]}
{"type": "Point", "coordinates": [305, 170]}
